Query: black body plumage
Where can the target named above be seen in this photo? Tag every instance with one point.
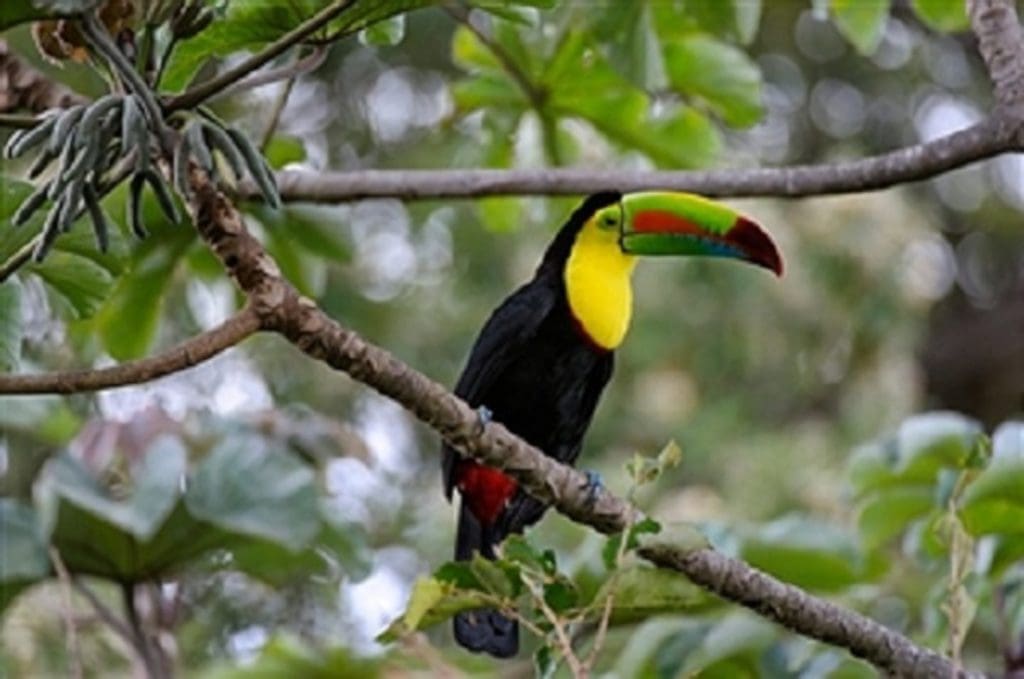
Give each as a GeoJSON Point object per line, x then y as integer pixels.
{"type": "Point", "coordinates": [540, 376]}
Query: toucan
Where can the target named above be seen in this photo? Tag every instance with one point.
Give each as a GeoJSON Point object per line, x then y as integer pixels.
{"type": "Point", "coordinates": [544, 356]}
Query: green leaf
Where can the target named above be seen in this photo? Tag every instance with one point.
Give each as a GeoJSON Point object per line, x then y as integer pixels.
{"type": "Point", "coordinates": [284, 656]}
{"type": "Point", "coordinates": [610, 551]}
{"type": "Point", "coordinates": [157, 486]}
{"type": "Point", "coordinates": [493, 577]}
{"type": "Point", "coordinates": [923, 445]}
{"type": "Point", "coordinates": [862, 22]}
{"type": "Point", "coordinates": [942, 15]}
{"type": "Point", "coordinates": [994, 501]}
{"type": "Point", "coordinates": [431, 602]}
{"type": "Point", "coordinates": [518, 550]}
{"type": "Point", "coordinates": [807, 553]}
{"type": "Point", "coordinates": [129, 540]}
{"type": "Point", "coordinates": [283, 149]}
{"type": "Point", "coordinates": [731, 19]}
{"type": "Point", "coordinates": [642, 591]}
{"type": "Point", "coordinates": [885, 514]}
{"type": "Point", "coordinates": [137, 301]}
{"type": "Point", "coordinates": [249, 26]}
{"type": "Point", "coordinates": [245, 487]}
{"type": "Point", "coordinates": [386, 33]}
{"type": "Point", "coordinates": [14, 12]}
{"type": "Point", "coordinates": [25, 559]}
{"type": "Point", "coordinates": [339, 549]}
{"type": "Point", "coordinates": [82, 283]}
{"type": "Point", "coordinates": [10, 325]}
{"type": "Point", "coordinates": [720, 74]}
{"type": "Point", "coordinates": [561, 595]}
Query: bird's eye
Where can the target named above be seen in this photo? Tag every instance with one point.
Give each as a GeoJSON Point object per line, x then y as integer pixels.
{"type": "Point", "coordinates": [609, 221]}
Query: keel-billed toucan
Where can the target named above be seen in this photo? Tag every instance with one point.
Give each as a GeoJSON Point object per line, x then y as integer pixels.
{"type": "Point", "coordinates": [544, 356]}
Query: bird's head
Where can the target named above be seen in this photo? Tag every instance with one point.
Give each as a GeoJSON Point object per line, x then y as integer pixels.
{"type": "Point", "coordinates": [670, 223]}
{"type": "Point", "coordinates": [595, 252]}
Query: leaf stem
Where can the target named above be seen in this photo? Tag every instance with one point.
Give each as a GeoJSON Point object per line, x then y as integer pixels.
{"type": "Point", "coordinates": [191, 98]}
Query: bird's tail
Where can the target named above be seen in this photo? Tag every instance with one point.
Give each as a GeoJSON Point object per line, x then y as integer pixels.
{"type": "Point", "coordinates": [482, 630]}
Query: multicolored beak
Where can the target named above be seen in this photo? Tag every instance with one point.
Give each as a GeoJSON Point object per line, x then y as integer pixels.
{"type": "Point", "coordinates": [667, 223]}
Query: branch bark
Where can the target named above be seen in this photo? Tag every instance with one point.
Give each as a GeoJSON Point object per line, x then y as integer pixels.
{"type": "Point", "coordinates": [283, 310]}
{"type": "Point", "coordinates": [185, 355]}
{"type": "Point", "coordinates": [996, 135]}
{"type": "Point", "coordinates": [1001, 44]}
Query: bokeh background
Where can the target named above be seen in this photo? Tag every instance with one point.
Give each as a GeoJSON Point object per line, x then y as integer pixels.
{"type": "Point", "coordinates": [893, 303]}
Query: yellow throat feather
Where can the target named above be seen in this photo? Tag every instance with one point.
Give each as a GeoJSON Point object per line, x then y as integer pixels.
{"type": "Point", "coordinates": [597, 282]}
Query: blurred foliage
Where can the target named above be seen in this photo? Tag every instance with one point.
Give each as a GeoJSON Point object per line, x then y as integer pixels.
{"type": "Point", "coordinates": [290, 517]}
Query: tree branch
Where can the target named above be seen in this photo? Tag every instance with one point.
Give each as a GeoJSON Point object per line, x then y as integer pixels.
{"type": "Point", "coordinates": [984, 140]}
{"type": "Point", "coordinates": [185, 355]}
{"type": "Point", "coordinates": [200, 93]}
{"type": "Point", "coordinates": [1001, 44]}
{"type": "Point", "coordinates": [303, 323]}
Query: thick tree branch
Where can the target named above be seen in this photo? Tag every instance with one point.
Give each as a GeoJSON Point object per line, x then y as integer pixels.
{"type": "Point", "coordinates": [298, 319]}
{"type": "Point", "coordinates": [922, 161]}
{"type": "Point", "coordinates": [1001, 44]}
{"type": "Point", "coordinates": [185, 355]}
{"type": "Point", "coordinates": [200, 93]}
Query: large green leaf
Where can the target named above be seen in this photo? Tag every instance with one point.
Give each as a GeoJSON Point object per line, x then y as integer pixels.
{"type": "Point", "coordinates": [862, 22]}
{"type": "Point", "coordinates": [807, 553]}
{"type": "Point", "coordinates": [284, 657]}
{"type": "Point", "coordinates": [733, 19]}
{"type": "Point", "coordinates": [432, 601]}
{"type": "Point", "coordinates": [720, 74]}
{"type": "Point", "coordinates": [886, 513]}
{"type": "Point", "coordinates": [14, 12]}
{"type": "Point", "coordinates": [994, 501]}
{"type": "Point", "coordinates": [157, 485]}
{"type": "Point", "coordinates": [10, 325]}
{"type": "Point", "coordinates": [23, 548]}
{"type": "Point", "coordinates": [130, 318]}
{"type": "Point", "coordinates": [923, 445]}
{"type": "Point", "coordinates": [942, 15]}
{"type": "Point", "coordinates": [245, 487]}
{"type": "Point", "coordinates": [641, 591]}
{"type": "Point", "coordinates": [249, 26]}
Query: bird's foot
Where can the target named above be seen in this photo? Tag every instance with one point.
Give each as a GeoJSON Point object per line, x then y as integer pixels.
{"type": "Point", "coordinates": [592, 486]}
{"type": "Point", "coordinates": [483, 417]}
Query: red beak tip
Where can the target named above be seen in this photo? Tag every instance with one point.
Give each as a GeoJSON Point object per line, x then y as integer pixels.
{"type": "Point", "coordinates": [755, 241]}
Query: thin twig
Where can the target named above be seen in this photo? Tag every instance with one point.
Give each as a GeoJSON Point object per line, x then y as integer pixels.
{"type": "Point", "coordinates": [103, 611]}
{"type": "Point", "coordinates": [275, 114]}
{"type": "Point", "coordinates": [74, 649]}
{"type": "Point", "coordinates": [606, 612]}
{"type": "Point", "coordinates": [185, 355]}
{"type": "Point", "coordinates": [195, 96]}
{"type": "Point", "coordinates": [561, 636]}
{"type": "Point", "coordinates": [290, 71]}
{"type": "Point", "coordinates": [148, 652]}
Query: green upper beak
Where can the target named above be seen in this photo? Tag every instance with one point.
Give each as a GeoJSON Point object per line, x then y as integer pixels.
{"type": "Point", "coordinates": [668, 223]}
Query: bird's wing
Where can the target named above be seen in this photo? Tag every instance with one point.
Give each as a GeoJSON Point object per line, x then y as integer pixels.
{"type": "Point", "coordinates": [500, 343]}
